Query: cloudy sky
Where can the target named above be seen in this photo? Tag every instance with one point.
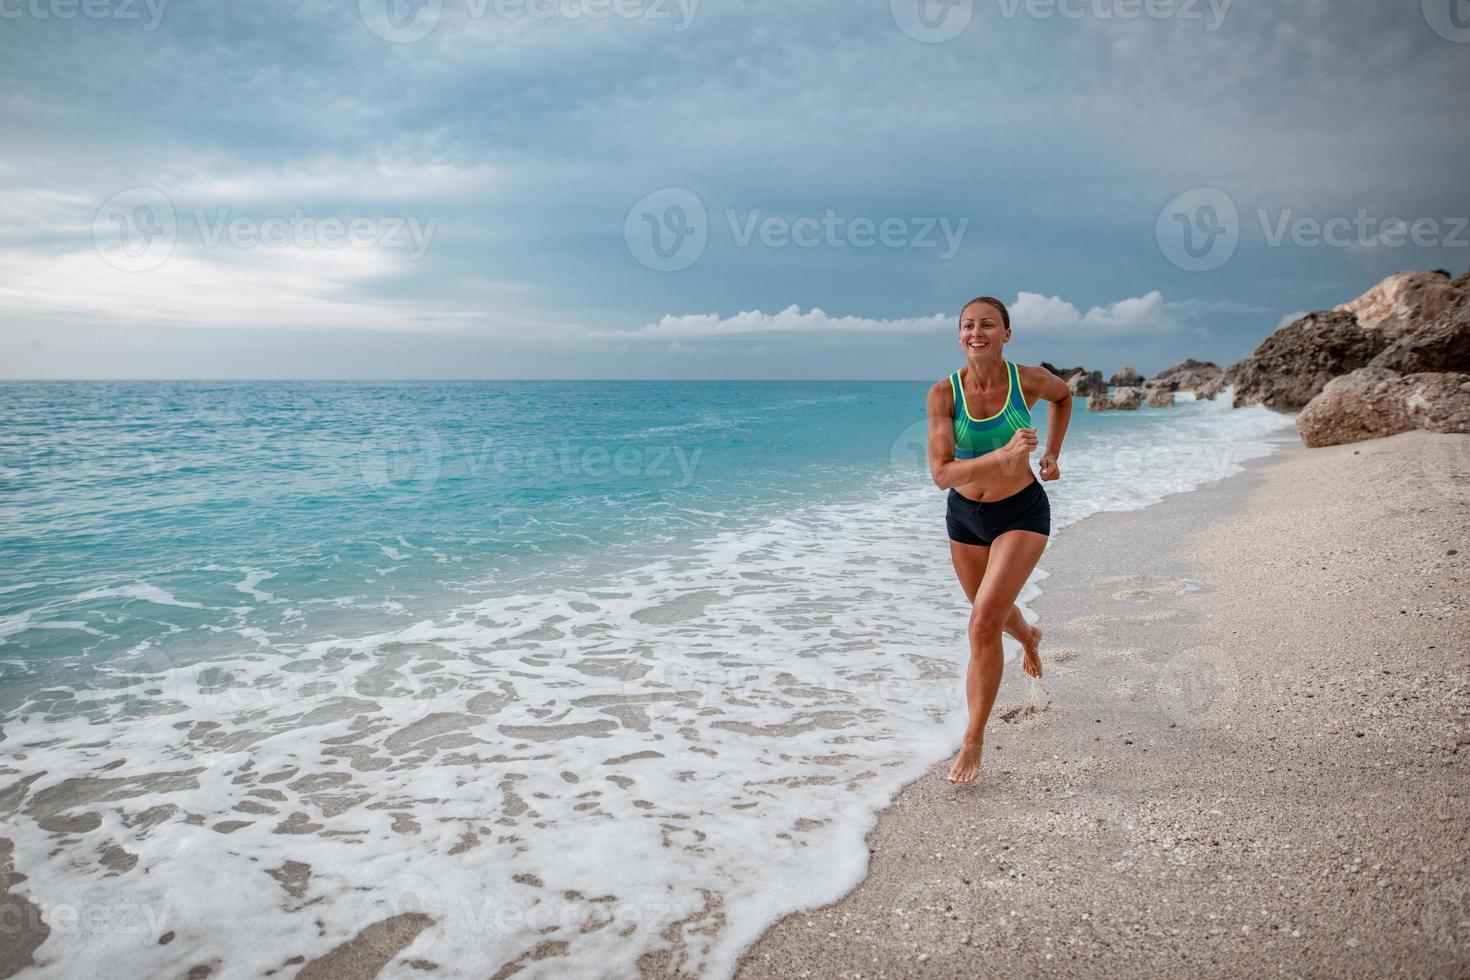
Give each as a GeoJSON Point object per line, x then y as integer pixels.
{"type": "Point", "coordinates": [707, 188]}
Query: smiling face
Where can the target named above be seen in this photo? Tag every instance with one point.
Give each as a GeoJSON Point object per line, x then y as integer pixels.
{"type": "Point", "coordinates": [983, 332]}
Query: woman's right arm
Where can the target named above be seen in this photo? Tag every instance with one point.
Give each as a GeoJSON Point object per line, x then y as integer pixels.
{"type": "Point", "coordinates": [950, 472]}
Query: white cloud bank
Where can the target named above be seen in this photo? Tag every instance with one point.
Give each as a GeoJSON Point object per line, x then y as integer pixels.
{"type": "Point", "coordinates": [789, 320]}
{"type": "Point", "coordinates": [1031, 312]}
{"type": "Point", "coordinates": [1054, 315]}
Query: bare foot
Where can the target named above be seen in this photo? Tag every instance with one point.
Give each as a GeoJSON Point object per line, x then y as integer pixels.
{"type": "Point", "coordinates": [967, 766]}
{"type": "Point", "coordinates": [1031, 662]}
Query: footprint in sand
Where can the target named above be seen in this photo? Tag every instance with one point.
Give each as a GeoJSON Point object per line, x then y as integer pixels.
{"type": "Point", "coordinates": [1020, 713]}
{"type": "Point", "coordinates": [1038, 700]}
{"type": "Point", "coordinates": [1149, 587]}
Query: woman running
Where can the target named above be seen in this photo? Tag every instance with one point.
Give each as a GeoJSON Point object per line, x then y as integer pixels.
{"type": "Point", "coordinates": [980, 443]}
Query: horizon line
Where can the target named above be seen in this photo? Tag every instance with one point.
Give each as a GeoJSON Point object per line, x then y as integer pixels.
{"type": "Point", "coordinates": [464, 380]}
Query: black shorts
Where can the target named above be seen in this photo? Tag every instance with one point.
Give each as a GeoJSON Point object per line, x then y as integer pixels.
{"type": "Point", "coordinates": [972, 522]}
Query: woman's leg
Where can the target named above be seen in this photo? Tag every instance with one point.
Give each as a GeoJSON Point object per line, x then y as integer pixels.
{"type": "Point", "coordinates": [969, 564]}
{"type": "Point", "coordinates": [1012, 557]}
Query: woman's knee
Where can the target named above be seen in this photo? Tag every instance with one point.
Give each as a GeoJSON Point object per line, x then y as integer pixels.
{"type": "Point", "coordinates": [986, 623]}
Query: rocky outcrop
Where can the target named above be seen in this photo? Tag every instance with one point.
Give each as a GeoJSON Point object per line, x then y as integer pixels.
{"type": "Point", "coordinates": [1187, 375]}
{"type": "Point", "coordinates": [1126, 378]}
{"type": "Point", "coordinates": [1403, 302]}
{"type": "Point", "coordinates": [1158, 393]}
{"type": "Point", "coordinates": [1375, 401]}
{"type": "Point", "coordinates": [1159, 397]}
{"type": "Point", "coordinates": [1441, 344]}
{"type": "Point", "coordinates": [1128, 399]}
{"type": "Point", "coordinates": [1438, 401]}
{"type": "Point", "coordinates": [1212, 388]}
{"type": "Point", "coordinates": [1123, 398]}
{"type": "Point", "coordinates": [1064, 373]}
{"type": "Point", "coordinates": [1081, 381]}
{"type": "Point", "coordinates": [1295, 363]}
{"type": "Point", "coordinates": [1088, 383]}
{"type": "Point", "coordinates": [1394, 359]}
{"type": "Point", "coordinates": [1410, 323]}
{"type": "Point", "coordinates": [1361, 405]}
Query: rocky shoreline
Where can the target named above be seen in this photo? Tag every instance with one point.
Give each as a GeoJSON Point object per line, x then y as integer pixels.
{"type": "Point", "coordinates": [1393, 360]}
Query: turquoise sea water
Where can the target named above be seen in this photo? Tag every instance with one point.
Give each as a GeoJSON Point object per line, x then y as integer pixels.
{"type": "Point", "coordinates": [608, 631]}
{"type": "Point", "coordinates": [139, 513]}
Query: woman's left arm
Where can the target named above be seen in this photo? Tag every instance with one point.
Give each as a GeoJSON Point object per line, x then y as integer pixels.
{"type": "Point", "coordinates": [1050, 388]}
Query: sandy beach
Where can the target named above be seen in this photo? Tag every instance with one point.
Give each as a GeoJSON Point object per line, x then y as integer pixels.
{"type": "Point", "coordinates": [1254, 761]}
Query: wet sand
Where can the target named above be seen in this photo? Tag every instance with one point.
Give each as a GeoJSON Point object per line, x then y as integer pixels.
{"type": "Point", "coordinates": [1255, 760]}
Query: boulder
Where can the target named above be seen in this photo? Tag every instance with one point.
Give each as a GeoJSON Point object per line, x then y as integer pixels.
{"type": "Point", "coordinates": [1126, 378]}
{"type": "Point", "coordinates": [1295, 363]}
{"type": "Point", "coordinates": [1403, 302]}
{"type": "Point", "coordinates": [1441, 344]}
{"type": "Point", "coordinates": [1159, 397]}
{"type": "Point", "coordinates": [1064, 373]}
{"type": "Point", "coordinates": [1438, 401]}
{"type": "Point", "coordinates": [1375, 401]}
{"type": "Point", "coordinates": [1361, 405]}
{"type": "Point", "coordinates": [1088, 383]}
{"type": "Point", "coordinates": [1128, 398]}
{"type": "Point", "coordinates": [1188, 373]}
{"type": "Point", "coordinates": [1082, 381]}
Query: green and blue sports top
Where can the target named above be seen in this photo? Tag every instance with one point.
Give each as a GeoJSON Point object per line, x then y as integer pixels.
{"type": "Point", "coordinates": [975, 437]}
